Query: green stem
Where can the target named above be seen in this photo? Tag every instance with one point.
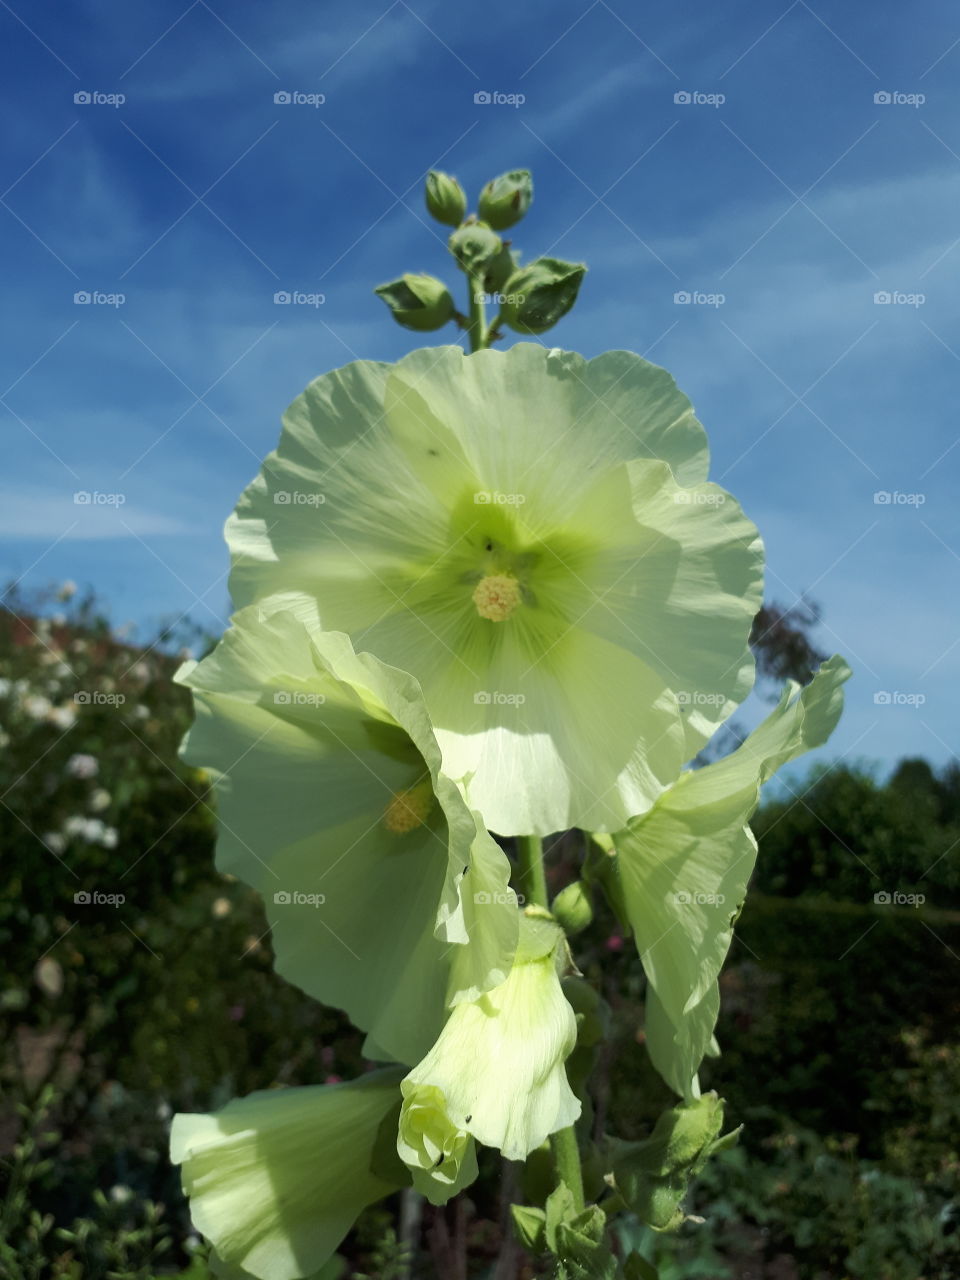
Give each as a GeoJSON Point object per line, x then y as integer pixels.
{"type": "Point", "coordinates": [477, 313]}
{"type": "Point", "coordinates": [533, 879]}
{"type": "Point", "coordinates": [566, 1159]}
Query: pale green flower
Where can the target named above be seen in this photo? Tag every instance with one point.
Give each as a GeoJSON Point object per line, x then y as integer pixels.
{"type": "Point", "coordinates": [531, 535]}
{"type": "Point", "coordinates": [685, 866]}
{"type": "Point", "coordinates": [497, 1070]}
{"type": "Point", "coordinates": [441, 1157]}
{"type": "Point", "coordinates": [277, 1179]}
{"type": "Point", "coordinates": [331, 803]}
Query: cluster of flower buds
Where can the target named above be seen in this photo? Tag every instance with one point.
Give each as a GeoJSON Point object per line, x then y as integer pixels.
{"type": "Point", "coordinates": [531, 298]}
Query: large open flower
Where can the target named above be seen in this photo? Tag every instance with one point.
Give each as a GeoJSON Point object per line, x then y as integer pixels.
{"type": "Point", "coordinates": [532, 536]}
{"type": "Point", "coordinates": [331, 802]}
{"type": "Point", "coordinates": [685, 866]}
{"type": "Point", "coordinates": [277, 1179]}
{"type": "Point", "coordinates": [497, 1070]}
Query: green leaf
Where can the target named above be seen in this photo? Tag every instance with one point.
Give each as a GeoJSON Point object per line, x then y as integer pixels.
{"type": "Point", "coordinates": [530, 1226]}
{"type": "Point", "coordinates": [637, 1268]}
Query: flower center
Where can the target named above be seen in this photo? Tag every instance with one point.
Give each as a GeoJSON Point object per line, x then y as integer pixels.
{"type": "Point", "coordinates": [409, 809]}
{"type": "Point", "coordinates": [496, 596]}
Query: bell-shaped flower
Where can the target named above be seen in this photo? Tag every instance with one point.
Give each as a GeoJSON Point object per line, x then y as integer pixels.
{"type": "Point", "coordinates": [684, 869]}
{"type": "Point", "coordinates": [496, 1072]}
{"type": "Point", "coordinates": [533, 537]}
{"type": "Point", "coordinates": [332, 804]}
{"type": "Point", "coordinates": [277, 1179]}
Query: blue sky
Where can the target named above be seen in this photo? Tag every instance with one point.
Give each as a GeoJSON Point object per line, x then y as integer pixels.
{"type": "Point", "coordinates": [798, 197]}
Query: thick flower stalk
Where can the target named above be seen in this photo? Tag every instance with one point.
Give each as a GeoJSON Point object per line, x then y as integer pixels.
{"type": "Point", "coordinates": [332, 804]}
{"type": "Point", "coordinates": [532, 535]}
{"type": "Point", "coordinates": [277, 1179]}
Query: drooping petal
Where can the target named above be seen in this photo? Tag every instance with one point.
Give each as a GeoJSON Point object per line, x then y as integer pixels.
{"type": "Point", "coordinates": [497, 1068]}
{"type": "Point", "coordinates": [685, 867]}
{"type": "Point", "coordinates": [332, 805]}
{"type": "Point", "coordinates": [277, 1179]}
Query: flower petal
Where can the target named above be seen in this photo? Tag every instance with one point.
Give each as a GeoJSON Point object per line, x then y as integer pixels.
{"type": "Point", "coordinates": [686, 864]}
{"type": "Point", "coordinates": [313, 749]}
{"type": "Point", "coordinates": [498, 1065]}
{"type": "Point", "coordinates": [277, 1179]}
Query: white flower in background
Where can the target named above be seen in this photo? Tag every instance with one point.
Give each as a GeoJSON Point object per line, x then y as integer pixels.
{"type": "Point", "coordinates": [140, 671]}
{"type": "Point", "coordinates": [54, 841]}
{"type": "Point", "coordinates": [63, 717]}
{"type": "Point", "coordinates": [100, 800]}
{"type": "Point", "coordinates": [83, 766]}
{"type": "Point", "coordinates": [37, 706]}
{"type": "Point", "coordinates": [141, 712]}
{"type": "Point", "coordinates": [92, 830]}
{"type": "Point", "coordinates": [5, 687]}
{"type": "Point", "coordinates": [67, 591]}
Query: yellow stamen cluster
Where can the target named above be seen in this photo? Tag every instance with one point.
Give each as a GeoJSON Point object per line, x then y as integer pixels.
{"type": "Point", "coordinates": [496, 596]}
{"type": "Point", "coordinates": [409, 809]}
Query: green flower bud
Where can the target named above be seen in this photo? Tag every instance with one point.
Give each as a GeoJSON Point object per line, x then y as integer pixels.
{"type": "Point", "coordinates": [446, 199]}
{"type": "Point", "coordinates": [499, 270]}
{"type": "Point", "coordinates": [541, 293]}
{"type": "Point", "coordinates": [572, 908]}
{"type": "Point", "coordinates": [418, 302]}
{"type": "Point", "coordinates": [474, 245]}
{"type": "Point", "coordinates": [504, 200]}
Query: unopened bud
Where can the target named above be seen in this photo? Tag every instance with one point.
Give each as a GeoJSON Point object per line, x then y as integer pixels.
{"type": "Point", "coordinates": [504, 200]}
{"type": "Point", "coordinates": [541, 293]}
{"type": "Point", "coordinates": [572, 908]}
{"type": "Point", "coordinates": [474, 245]}
{"type": "Point", "coordinates": [446, 199]}
{"type": "Point", "coordinates": [418, 302]}
{"type": "Point", "coordinates": [499, 270]}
